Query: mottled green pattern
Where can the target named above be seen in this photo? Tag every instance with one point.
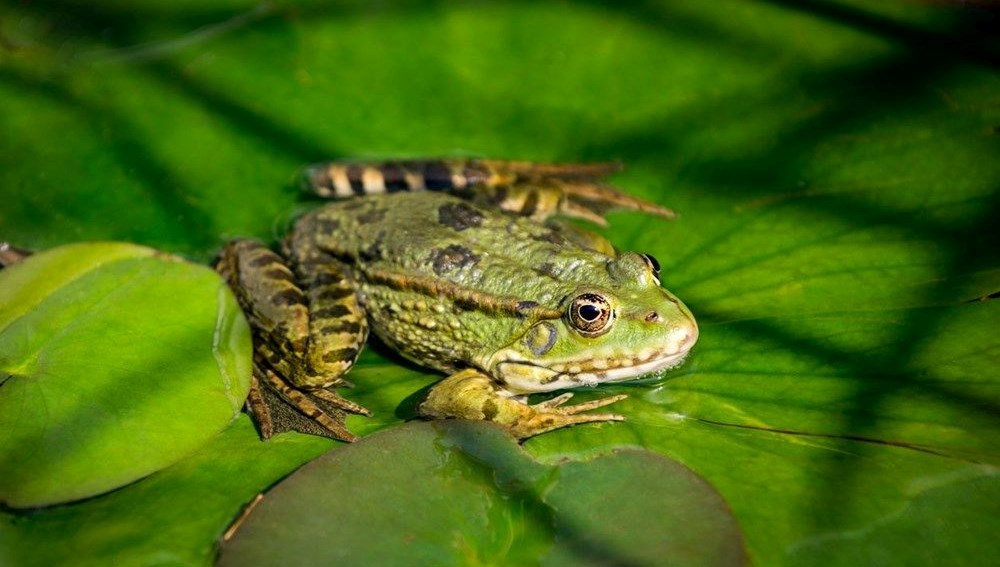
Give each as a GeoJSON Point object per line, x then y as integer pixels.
{"type": "Point", "coordinates": [504, 304]}
{"type": "Point", "coordinates": [449, 283]}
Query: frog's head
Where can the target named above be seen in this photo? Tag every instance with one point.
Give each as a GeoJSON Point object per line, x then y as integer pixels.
{"type": "Point", "coordinates": [620, 326]}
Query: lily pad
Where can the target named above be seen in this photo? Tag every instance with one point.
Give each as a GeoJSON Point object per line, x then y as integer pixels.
{"type": "Point", "coordinates": [461, 493]}
{"type": "Point", "coordinates": [116, 362]}
{"type": "Point", "coordinates": [172, 517]}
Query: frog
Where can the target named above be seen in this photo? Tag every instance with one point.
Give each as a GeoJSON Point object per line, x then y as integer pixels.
{"type": "Point", "coordinates": [472, 268]}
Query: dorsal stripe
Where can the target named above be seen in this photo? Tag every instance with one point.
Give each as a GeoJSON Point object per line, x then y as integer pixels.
{"type": "Point", "coordinates": [478, 300]}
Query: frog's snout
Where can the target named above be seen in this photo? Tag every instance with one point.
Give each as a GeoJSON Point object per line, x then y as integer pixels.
{"type": "Point", "coordinates": [681, 339]}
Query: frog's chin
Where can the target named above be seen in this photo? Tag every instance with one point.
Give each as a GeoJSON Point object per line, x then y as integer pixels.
{"type": "Point", "coordinates": [523, 377]}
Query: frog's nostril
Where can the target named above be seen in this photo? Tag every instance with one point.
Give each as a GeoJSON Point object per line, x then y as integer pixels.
{"type": "Point", "coordinates": [652, 317]}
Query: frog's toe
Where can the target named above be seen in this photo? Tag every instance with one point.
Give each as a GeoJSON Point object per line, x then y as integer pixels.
{"type": "Point", "coordinates": [558, 401]}
{"type": "Point", "coordinates": [554, 402]}
{"type": "Point", "coordinates": [327, 422]}
{"type": "Point", "coordinates": [543, 420]}
{"type": "Point", "coordinates": [340, 402]}
{"type": "Point", "coordinates": [552, 414]}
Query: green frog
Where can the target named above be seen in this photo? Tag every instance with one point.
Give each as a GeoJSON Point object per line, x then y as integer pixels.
{"type": "Point", "coordinates": [460, 266]}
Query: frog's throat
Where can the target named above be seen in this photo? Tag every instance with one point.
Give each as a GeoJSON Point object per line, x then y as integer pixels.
{"type": "Point", "coordinates": [521, 376]}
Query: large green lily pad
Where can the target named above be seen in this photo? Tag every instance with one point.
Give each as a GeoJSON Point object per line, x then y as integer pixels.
{"type": "Point", "coordinates": [462, 493]}
{"type": "Point", "coordinates": [108, 372]}
{"type": "Point", "coordinates": [833, 163]}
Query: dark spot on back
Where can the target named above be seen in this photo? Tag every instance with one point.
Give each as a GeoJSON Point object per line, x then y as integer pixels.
{"type": "Point", "coordinates": [547, 269]}
{"type": "Point", "coordinates": [352, 204]}
{"type": "Point", "coordinates": [451, 258]}
{"type": "Point", "coordinates": [373, 215]}
{"type": "Point", "coordinates": [459, 216]}
{"type": "Point", "coordinates": [550, 236]}
{"type": "Point", "coordinates": [375, 251]}
{"type": "Point", "coordinates": [326, 225]}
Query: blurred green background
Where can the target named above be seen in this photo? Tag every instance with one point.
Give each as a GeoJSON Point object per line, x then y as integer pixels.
{"type": "Point", "coordinates": [835, 165]}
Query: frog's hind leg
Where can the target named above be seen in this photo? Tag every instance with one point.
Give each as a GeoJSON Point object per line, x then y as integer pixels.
{"type": "Point", "coordinates": [340, 180]}
{"type": "Point", "coordinates": [302, 346]}
{"type": "Point", "coordinates": [538, 190]}
{"type": "Point", "coordinates": [544, 197]}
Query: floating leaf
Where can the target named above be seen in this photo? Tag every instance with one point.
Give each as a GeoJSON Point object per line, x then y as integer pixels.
{"type": "Point", "coordinates": [172, 517]}
{"type": "Point", "coordinates": [117, 361]}
{"type": "Point", "coordinates": [462, 493]}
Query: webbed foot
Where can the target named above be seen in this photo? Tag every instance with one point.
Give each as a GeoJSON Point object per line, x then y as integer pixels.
{"type": "Point", "coordinates": [277, 407]}
{"type": "Point", "coordinates": [470, 394]}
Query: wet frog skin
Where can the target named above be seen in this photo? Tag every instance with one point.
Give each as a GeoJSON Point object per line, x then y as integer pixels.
{"type": "Point", "coordinates": [460, 266]}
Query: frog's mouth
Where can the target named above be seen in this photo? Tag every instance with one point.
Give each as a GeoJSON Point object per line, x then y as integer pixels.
{"type": "Point", "coordinates": [525, 376]}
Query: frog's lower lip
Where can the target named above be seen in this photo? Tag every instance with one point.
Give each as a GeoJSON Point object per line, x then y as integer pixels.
{"type": "Point", "coordinates": [630, 371]}
{"type": "Point", "coordinates": [589, 373]}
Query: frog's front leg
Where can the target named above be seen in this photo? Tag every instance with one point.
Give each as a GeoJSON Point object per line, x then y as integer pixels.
{"type": "Point", "coordinates": [308, 330]}
{"type": "Point", "coordinates": [471, 394]}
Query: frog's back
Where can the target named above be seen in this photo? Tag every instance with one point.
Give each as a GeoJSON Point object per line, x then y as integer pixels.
{"type": "Point", "coordinates": [444, 281]}
{"type": "Point", "coordinates": [442, 237]}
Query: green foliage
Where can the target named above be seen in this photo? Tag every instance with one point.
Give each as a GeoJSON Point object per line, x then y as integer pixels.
{"type": "Point", "coordinates": [459, 493]}
{"type": "Point", "coordinates": [109, 373]}
{"type": "Point", "coordinates": [833, 164]}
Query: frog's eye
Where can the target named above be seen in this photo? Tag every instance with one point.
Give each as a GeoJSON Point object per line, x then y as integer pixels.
{"type": "Point", "coordinates": [591, 314]}
{"type": "Point", "coordinates": [653, 264]}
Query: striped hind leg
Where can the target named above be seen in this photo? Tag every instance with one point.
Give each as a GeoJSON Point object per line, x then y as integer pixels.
{"type": "Point", "coordinates": [296, 354]}
{"type": "Point", "coordinates": [538, 190]}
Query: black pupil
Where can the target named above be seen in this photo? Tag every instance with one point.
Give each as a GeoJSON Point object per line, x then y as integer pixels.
{"type": "Point", "coordinates": [590, 312]}
{"type": "Point", "coordinates": [653, 263]}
